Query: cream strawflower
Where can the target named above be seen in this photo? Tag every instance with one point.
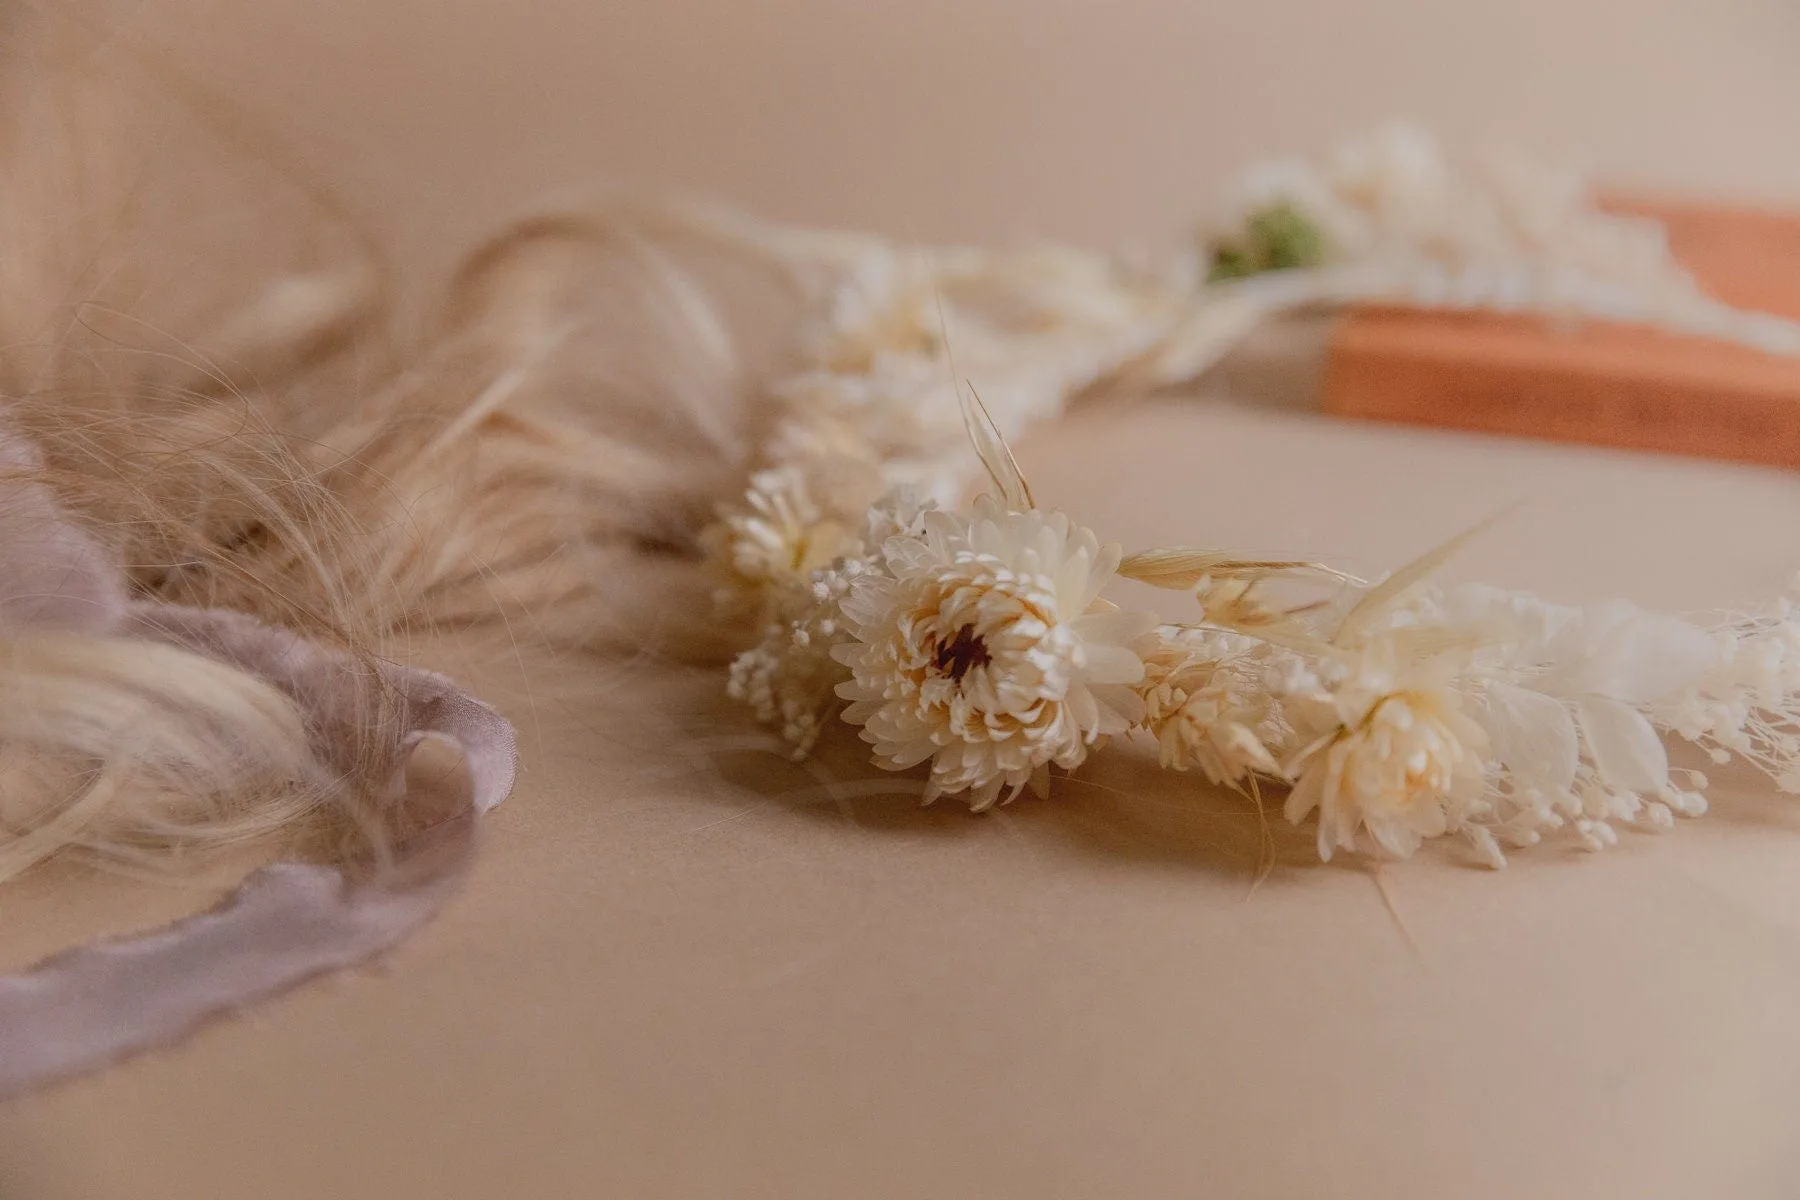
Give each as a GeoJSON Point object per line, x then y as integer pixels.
{"type": "Point", "coordinates": [1403, 762]}
{"type": "Point", "coordinates": [989, 652]}
{"type": "Point", "coordinates": [1207, 706]}
{"type": "Point", "coordinates": [778, 536]}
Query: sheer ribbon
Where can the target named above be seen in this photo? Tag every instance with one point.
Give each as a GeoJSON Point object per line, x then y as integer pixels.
{"type": "Point", "coordinates": [95, 1004]}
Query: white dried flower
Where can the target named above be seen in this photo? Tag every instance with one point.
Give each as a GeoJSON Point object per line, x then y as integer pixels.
{"type": "Point", "coordinates": [780, 535]}
{"type": "Point", "coordinates": [1207, 703]}
{"type": "Point", "coordinates": [989, 652]}
{"type": "Point", "coordinates": [1400, 759]}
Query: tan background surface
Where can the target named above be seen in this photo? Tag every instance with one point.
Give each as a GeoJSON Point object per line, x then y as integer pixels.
{"type": "Point", "coordinates": [1106, 120]}
{"type": "Point", "coordinates": [679, 971]}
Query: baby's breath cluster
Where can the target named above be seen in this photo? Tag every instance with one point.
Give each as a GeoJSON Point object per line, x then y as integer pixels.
{"type": "Point", "coordinates": [790, 677]}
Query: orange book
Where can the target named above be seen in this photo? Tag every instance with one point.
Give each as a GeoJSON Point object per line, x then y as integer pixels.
{"type": "Point", "coordinates": [1601, 383]}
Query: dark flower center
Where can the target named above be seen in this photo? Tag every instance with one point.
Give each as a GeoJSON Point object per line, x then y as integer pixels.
{"type": "Point", "coordinates": [961, 653]}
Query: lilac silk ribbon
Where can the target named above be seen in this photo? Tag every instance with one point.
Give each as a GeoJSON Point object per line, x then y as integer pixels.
{"type": "Point", "coordinates": [93, 1005]}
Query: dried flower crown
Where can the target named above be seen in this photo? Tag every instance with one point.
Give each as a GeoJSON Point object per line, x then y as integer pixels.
{"type": "Point", "coordinates": [974, 641]}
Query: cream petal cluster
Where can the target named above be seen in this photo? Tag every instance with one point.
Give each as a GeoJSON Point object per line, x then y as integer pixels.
{"type": "Point", "coordinates": [1207, 705]}
{"type": "Point", "coordinates": [1409, 767]}
{"type": "Point", "coordinates": [778, 537]}
{"type": "Point", "coordinates": [987, 652]}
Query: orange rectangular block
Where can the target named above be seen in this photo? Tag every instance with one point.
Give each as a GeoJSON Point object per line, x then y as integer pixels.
{"type": "Point", "coordinates": [1602, 383]}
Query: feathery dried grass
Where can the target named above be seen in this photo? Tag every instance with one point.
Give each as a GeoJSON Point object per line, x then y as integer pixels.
{"type": "Point", "coordinates": [196, 341]}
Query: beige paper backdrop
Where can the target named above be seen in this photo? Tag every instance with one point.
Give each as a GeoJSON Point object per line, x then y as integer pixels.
{"type": "Point", "coordinates": [1108, 120]}
{"type": "Point", "coordinates": [680, 972]}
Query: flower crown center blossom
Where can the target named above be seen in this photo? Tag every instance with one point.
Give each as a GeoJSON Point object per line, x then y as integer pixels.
{"type": "Point", "coordinates": [984, 649]}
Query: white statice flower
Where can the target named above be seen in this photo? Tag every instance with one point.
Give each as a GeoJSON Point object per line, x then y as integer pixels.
{"type": "Point", "coordinates": [1398, 757]}
{"type": "Point", "coordinates": [1208, 704]}
{"type": "Point", "coordinates": [988, 652]}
